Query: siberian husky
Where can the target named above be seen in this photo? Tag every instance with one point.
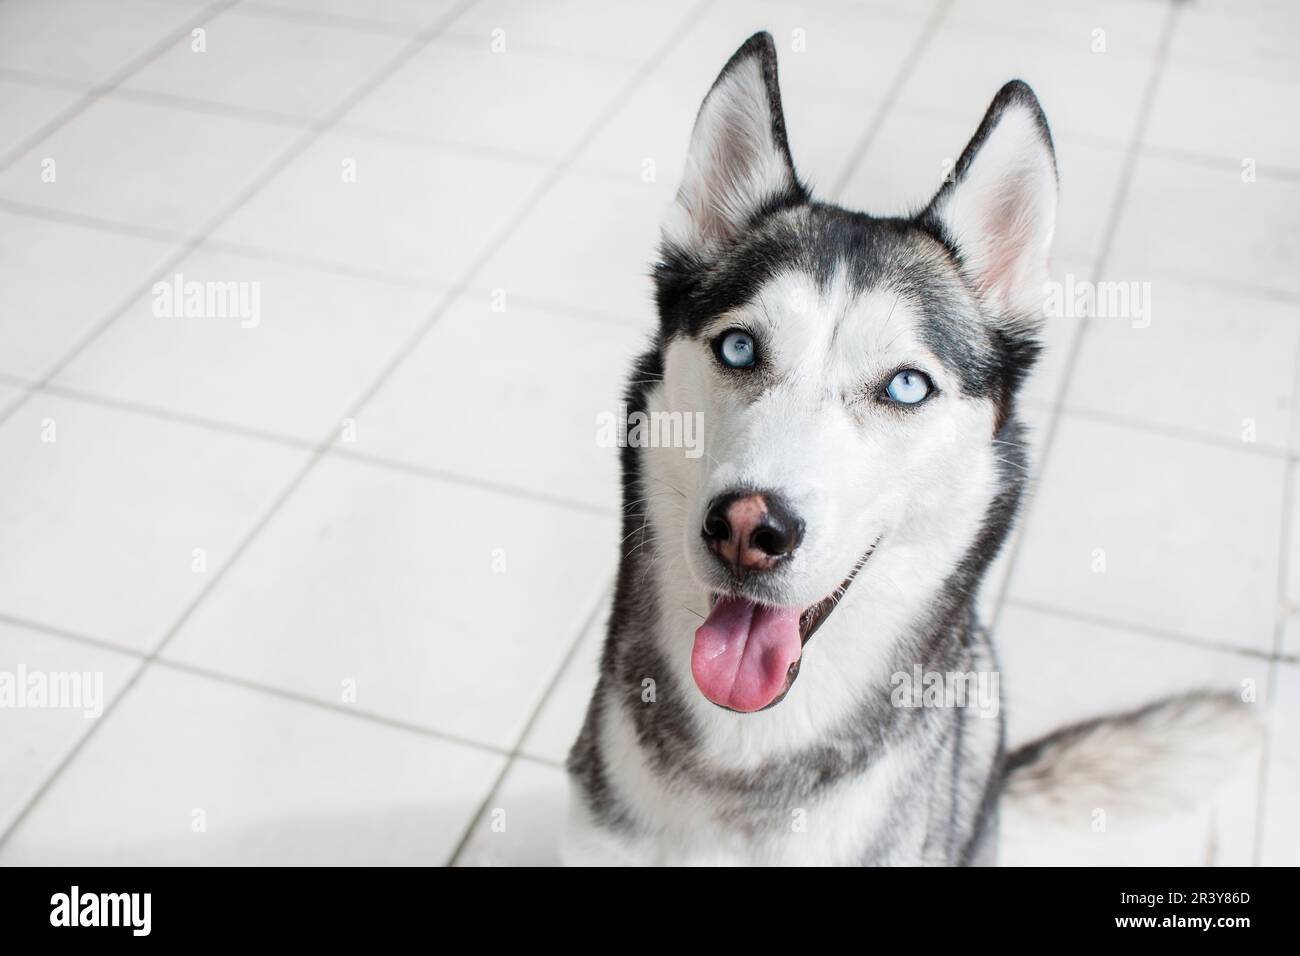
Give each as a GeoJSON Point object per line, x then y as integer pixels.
{"type": "Point", "coordinates": [782, 594]}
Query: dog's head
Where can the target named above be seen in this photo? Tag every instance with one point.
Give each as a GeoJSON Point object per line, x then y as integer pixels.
{"type": "Point", "coordinates": [853, 373]}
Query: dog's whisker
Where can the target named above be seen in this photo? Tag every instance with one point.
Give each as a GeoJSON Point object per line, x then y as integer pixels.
{"type": "Point", "coordinates": [670, 485]}
{"type": "Point", "coordinates": [652, 495]}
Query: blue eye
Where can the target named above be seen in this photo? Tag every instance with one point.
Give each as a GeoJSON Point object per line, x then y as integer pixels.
{"type": "Point", "coordinates": [909, 387]}
{"type": "Point", "coordinates": [736, 349]}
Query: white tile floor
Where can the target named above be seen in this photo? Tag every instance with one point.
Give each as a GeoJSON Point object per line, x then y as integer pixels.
{"type": "Point", "coordinates": [344, 573]}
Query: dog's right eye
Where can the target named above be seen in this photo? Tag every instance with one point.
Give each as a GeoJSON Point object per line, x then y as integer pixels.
{"type": "Point", "coordinates": [735, 348]}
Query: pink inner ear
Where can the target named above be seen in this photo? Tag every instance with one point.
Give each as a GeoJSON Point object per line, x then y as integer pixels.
{"type": "Point", "coordinates": [738, 159]}
{"type": "Point", "coordinates": [1004, 243]}
{"type": "Point", "coordinates": [1013, 253]}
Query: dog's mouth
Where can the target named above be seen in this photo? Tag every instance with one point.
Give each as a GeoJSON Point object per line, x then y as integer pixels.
{"type": "Point", "coordinates": [747, 654]}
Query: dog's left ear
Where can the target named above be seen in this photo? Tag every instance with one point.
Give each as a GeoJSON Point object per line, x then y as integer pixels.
{"type": "Point", "coordinates": [738, 164]}
{"type": "Point", "coordinates": [998, 210]}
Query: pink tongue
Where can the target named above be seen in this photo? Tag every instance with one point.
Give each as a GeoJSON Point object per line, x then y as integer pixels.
{"type": "Point", "coordinates": [743, 653]}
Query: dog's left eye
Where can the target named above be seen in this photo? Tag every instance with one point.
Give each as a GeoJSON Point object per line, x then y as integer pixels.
{"type": "Point", "coordinates": [909, 387]}
{"type": "Point", "coordinates": [736, 349]}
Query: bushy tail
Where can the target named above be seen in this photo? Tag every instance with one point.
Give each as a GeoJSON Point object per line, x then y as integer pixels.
{"type": "Point", "coordinates": [1114, 773]}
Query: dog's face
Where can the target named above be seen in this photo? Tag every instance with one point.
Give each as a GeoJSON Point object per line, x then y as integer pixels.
{"type": "Point", "coordinates": [852, 373]}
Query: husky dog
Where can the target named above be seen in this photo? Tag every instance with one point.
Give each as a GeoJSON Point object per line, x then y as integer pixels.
{"type": "Point", "coordinates": [863, 463]}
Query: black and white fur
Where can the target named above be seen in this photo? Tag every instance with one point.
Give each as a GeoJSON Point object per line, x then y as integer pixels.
{"type": "Point", "coordinates": [834, 773]}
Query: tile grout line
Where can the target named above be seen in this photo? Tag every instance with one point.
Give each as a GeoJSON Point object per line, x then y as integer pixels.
{"type": "Point", "coordinates": [544, 187]}
{"type": "Point", "coordinates": [1178, 432]}
{"type": "Point", "coordinates": [190, 104]}
{"type": "Point", "coordinates": [51, 630]}
{"type": "Point", "coordinates": [889, 101]}
{"type": "Point", "coordinates": [516, 752]}
{"type": "Point", "coordinates": [44, 81]}
{"type": "Point", "coordinates": [369, 716]}
{"type": "Point", "coordinates": [269, 10]}
{"type": "Point", "coordinates": [112, 227]}
{"type": "Point", "coordinates": [467, 481]}
{"type": "Point", "coordinates": [1274, 670]}
{"type": "Point", "coordinates": [94, 399]}
{"type": "Point", "coordinates": [918, 110]}
{"type": "Point", "coordinates": [270, 690]}
{"type": "Point", "coordinates": [1282, 598]}
{"type": "Point", "coordinates": [1222, 65]}
{"type": "Point", "coordinates": [1112, 228]}
{"type": "Point", "coordinates": [976, 28]}
{"type": "Point", "coordinates": [96, 91]}
{"type": "Point", "coordinates": [1217, 163]}
{"type": "Point", "coordinates": [142, 659]}
{"type": "Point", "coordinates": [1182, 638]}
{"type": "Point", "coordinates": [541, 761]}
{"type": "Point", "coordinates": [292, 442]}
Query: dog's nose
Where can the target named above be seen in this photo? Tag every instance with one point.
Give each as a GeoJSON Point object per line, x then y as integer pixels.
{"type": "Point", "coordinates": [751, 531]}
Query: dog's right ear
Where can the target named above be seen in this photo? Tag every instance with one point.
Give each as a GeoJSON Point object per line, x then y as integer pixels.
{"type": "Point", "coordinates": [739, 162]}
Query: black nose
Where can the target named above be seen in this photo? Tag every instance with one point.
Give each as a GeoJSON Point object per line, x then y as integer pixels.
{"type": "Point", "coordinates": [751, 530]}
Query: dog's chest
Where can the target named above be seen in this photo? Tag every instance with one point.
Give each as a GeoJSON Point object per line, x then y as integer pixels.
{"type": "Point", "coordinates": [808, 809]}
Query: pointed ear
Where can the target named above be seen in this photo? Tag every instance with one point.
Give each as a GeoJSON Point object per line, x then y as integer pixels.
{"type": "Point", "coordinates": [998, 211]}
{"type": "Point", "coordinates": [739, 162]}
